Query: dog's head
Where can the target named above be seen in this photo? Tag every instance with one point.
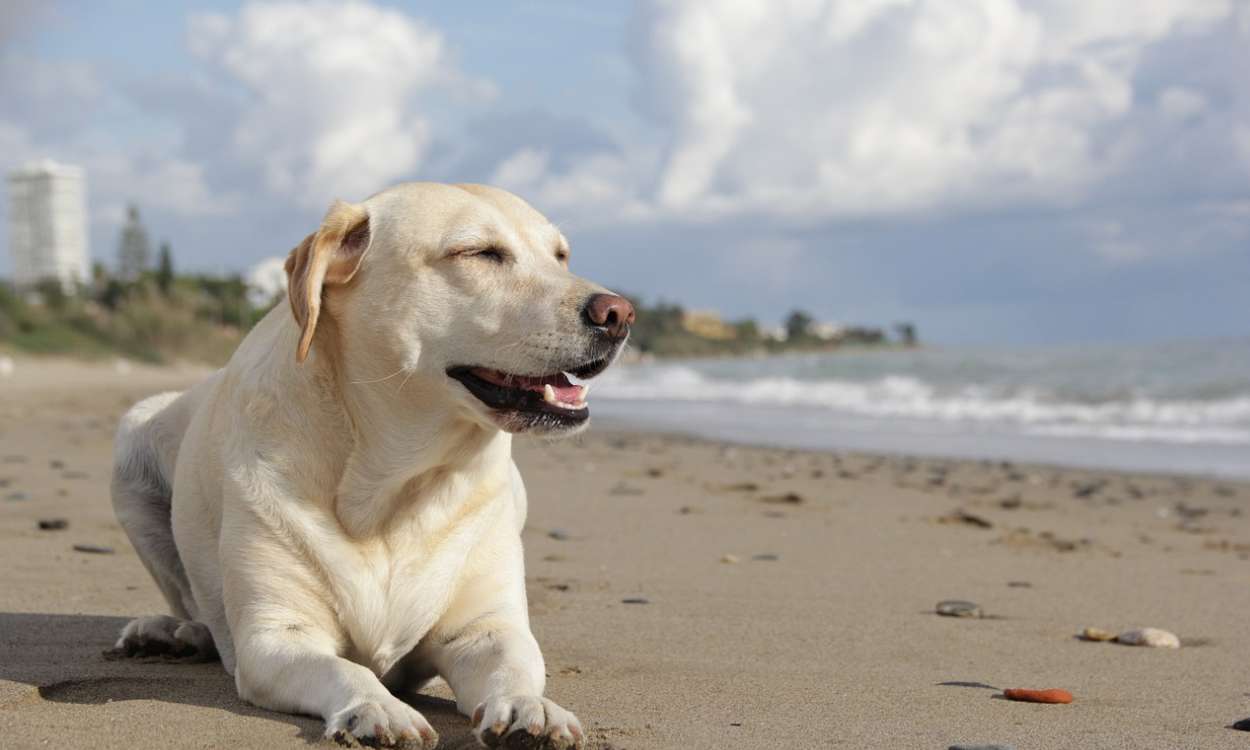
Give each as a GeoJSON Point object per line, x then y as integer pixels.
{"type": "Point", "coordinates": [466, 288]}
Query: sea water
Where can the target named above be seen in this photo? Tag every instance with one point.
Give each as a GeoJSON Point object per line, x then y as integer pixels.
{"type": "Point", "coordinates": [1170, 407]}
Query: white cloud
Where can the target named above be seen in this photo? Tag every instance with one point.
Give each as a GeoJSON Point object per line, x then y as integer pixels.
{"type": "Point", "coordinates": [333, 89]}
{"type": "Point", "coordinates": [1181, 104]}
{"type": "Point", "coordinates": [266, 280]}
{"type": "Point", "coordinates": [809, 108]}
{"type": "Point", "coordinates": [522, 169]}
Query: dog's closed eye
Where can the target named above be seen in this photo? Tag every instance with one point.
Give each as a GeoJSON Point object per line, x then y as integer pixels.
{"type": "Point", "coordinates": [492, 254]}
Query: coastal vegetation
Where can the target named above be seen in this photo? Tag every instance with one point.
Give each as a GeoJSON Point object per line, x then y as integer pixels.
{"type": "Point", "coordinates": [160, 316]}
{"type": "Point", "coordinates": [665, 329]}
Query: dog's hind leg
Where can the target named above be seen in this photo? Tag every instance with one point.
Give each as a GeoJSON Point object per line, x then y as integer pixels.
{"type": "Point", "coordinates": [143, 461]}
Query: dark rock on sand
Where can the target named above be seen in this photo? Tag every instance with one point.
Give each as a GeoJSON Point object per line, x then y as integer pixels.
{"type": "Point", "coordinates": [960, 515]}
{"type": "Point", "coordinates": [636, 600]}
{"type": "Point", "coordinates": [1242, 726]}
{"type": "Point", "coordinates": [53, 524]}
{"type": "Point", "coordinates": [93, 549]}
{"type": "Point", "coordinates": [958, 608]}
{"type": "Point", "coordinates": [788, 498]}
{"type": "Point", "coordinates": [559, 535]}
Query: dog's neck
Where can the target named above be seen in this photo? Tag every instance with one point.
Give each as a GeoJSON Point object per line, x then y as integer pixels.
{"type": "Point", "coordinates": [407, 443]}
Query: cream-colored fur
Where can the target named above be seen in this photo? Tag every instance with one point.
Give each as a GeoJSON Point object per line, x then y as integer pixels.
{"type": "Point", "coordinates": [348, 526]}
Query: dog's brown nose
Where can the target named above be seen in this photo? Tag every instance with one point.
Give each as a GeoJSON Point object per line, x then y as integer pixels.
{"type": "Point", "coordinates": [613, 313]}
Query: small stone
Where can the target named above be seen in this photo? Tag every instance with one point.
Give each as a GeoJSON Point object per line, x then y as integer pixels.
{"type": "Point", "coordinates": [1020, 584]}
{"type": "Point", "coordinates": [559, 535]}
{"type": "Point", "coordinates": [1242, 726]}
{"type": "Point", "coordinates": [93, 549]}
{"type": "Point", "coordinates": [765, 557]}
{"type": "Point", "coordinates": [53, 524]}
{"type": "Point", "coordinates": [1085, 489]}
{"type": "Point", "coordinates": [1096, 634]}
{"type": "Point", "coordinates": [1053, 695]}
{"type": "Point", "coordinates": [56, 464]}
{"type": "Point", "coordinates": [636, 600]}
{"type": "Point", "coordinates": [729, 559]}
{"type": "Point", "coordinates": [1152, 637]}
{"type": "Point", "coordinates": [788, 498]}
{"type": "Point", "coordinates": [958, 608]}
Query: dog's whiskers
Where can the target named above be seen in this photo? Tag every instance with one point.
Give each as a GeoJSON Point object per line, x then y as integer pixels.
{"type": "Point", "coordinates": [379, 380]}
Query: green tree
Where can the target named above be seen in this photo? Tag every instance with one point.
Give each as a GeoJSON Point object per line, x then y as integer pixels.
{"type": "Point", "coordinates": [797, 325]}
{"type": "Point", "coordinates": [165, 270]}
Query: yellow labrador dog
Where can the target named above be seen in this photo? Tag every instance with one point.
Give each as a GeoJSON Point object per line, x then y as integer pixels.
{"type": "Point", "coordinates": [336, 513]}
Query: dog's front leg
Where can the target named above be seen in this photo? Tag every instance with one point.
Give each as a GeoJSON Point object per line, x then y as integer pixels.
{"type": "Point", "coordinates": [496, 671]}
{"type": "Point", "coordinates": [295, 668]}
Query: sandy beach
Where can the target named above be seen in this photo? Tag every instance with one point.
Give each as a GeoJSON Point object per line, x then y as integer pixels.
{"type": "Point", "coordinates": [691, 594]}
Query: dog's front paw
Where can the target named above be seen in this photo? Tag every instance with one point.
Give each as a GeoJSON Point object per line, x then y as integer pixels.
{"type": "Point", "coordinates": [386, 722]}
{"type": "Point", "coordinates": [526, 721]}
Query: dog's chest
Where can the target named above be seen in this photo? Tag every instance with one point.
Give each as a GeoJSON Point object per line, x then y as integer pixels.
{"type": "Point", "coordinates": [402, 584]}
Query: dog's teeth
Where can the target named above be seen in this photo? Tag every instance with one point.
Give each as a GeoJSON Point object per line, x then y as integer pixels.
{"type": "Point", "coordinates": [549, 394]}
{"type": "Point", "coordinates": [585, 392]}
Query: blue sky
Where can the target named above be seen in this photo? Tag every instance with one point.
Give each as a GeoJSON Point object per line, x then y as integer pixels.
{"type": "Point", "coordinates": [997, 171]}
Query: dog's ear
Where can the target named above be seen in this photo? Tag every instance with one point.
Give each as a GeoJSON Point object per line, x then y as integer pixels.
{"type": "Point", "coordinates": [328, 257]}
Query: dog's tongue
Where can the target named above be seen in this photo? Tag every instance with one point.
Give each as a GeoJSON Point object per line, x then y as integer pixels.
{"type": "Point", "coordinates": [564, 390]}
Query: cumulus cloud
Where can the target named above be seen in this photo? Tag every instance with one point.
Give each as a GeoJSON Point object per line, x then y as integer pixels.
{"type": "Point", "coordinates": [334, 92]}
{"type": "Point", "coordinates": [814, 108]}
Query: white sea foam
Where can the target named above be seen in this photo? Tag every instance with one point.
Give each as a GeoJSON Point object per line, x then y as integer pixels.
{"type": "Point", "coordinates": [1028, 410]}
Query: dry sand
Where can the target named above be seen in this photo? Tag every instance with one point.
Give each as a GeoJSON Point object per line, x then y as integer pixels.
{"type": "Point", "coordinates": [831, 643]}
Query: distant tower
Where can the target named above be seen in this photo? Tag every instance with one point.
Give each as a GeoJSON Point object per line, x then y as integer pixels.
{"type": "Point", "coordinates": [133, 251]}
{"type": "Point", "coordinates": [48, 224]}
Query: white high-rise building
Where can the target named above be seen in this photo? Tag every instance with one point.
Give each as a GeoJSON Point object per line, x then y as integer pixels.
{"type": "Point", "coordinates": [48, 224]}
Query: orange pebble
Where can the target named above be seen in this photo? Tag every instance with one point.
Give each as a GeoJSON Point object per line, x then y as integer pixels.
{"type": "Point", "coordinates": [1054, 695]}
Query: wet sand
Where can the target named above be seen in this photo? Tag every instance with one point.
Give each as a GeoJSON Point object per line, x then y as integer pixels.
{"type": "Point", "coordinates": [781, 598]}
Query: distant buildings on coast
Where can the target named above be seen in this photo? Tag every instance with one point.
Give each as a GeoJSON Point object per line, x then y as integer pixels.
{"type": "Point", "coordinates": [48, 224]}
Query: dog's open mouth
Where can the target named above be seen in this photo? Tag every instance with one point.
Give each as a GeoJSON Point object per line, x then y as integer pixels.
{"type": "Point", "coordinates": [553, 396]}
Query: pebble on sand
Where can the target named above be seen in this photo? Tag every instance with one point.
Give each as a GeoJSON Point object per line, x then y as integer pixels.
{"type": "Point", "coordinates": [1153, 637]}
{"type": "Point", "coordinates": [1096, 634]}
{"type": "Point", "coordinates": [788, 498]}
{"type": "Point", "coordinates": [958, 608]}
{"type": "Point", "coordinates": [559, 535]}
{"type": "Point", "coordinates": [1243, 725]}
{"type": "Point", "coordinates": [1051, 695]}
{"type": "Point", "coordinates": [93, 549]}
{"type": "Point", "coordinates": [636, 600]}
{"type": "Point", "coordinates": [53, 524]}
{"type": "Point", "coordinates": [728, 558]}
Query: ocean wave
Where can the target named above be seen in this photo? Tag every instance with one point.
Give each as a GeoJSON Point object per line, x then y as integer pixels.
{"type": "Point", "coordinates": [1225, 420]}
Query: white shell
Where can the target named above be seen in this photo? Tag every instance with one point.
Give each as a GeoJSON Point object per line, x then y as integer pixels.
{"type": "Point", "coordinates": [1153, 637]}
